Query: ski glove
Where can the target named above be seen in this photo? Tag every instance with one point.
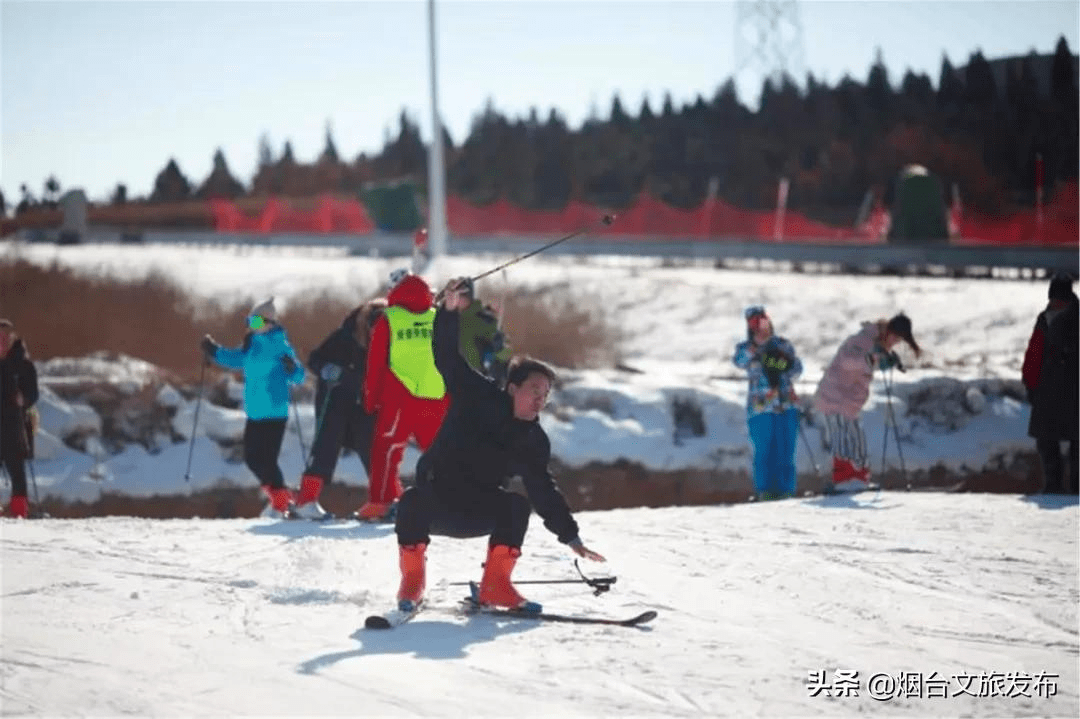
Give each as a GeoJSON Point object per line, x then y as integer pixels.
{"type": "Point", "coordinates": [775, 362]}
{"type": "Point", "coordinates": [889, 360]}
{"type": "Point", "coordinates": [330, 373]}
{"type": "Point", "coordinates": [209, 347]}
{"type": "Point", "coordinates": [288, 363]}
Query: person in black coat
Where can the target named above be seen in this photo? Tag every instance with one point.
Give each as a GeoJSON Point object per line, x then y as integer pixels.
{"type": "Point", "coordinates": [488, 436]}
{"type": "Point", "coordinates": [340, 420]}
{"type": "Point", "coordinates": [1050, 374]}
{"type": "Point", "coordinates": [18, 394]}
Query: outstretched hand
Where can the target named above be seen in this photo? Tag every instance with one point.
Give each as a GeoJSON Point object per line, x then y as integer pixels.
{"type": "Point", "coordinates": [582, 551]}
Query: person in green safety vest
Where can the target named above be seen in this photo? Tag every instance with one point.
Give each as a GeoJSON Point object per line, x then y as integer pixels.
{"type": "Point", "coordinates": [402, 388]}
{"type": "Point", "coordinates": [482, 342]}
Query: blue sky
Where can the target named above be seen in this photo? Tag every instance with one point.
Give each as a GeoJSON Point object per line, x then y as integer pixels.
{"type": "Point", "coordinates": [104, 92]}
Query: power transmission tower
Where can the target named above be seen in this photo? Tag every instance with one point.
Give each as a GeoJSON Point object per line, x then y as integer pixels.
{"type": "Point", "coordinates": [768, 41]}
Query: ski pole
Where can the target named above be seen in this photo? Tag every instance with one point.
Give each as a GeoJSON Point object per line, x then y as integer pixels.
{"type": "Point", "coordinates": [599, 585]}
{"type": "Point", "coordinates": [195, 421]}
{"type": "Point", "coordinates": [604, 220]}
{"type": "Point", "coordinates": [299, 430]}
{"type": "Point", "coordinates": [33, 483]}
{"type": "Point", "coordinates": [888, 413]}
{"type": "Point", "coordinates": [30, 464]}
{"type": "Point", "coordinates": [319, 420]}
{"type": "Point", "coordinates": [896, 429]}
{"type": "Point", "coordinates": [809, 451]}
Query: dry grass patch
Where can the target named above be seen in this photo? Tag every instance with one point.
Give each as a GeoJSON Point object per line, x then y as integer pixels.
{"type": "Point", "coordinates": [62, 313]}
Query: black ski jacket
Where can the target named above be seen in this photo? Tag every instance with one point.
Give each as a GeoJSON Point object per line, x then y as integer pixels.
{"type": "Point", "coordinates": [1055, 402]}
{"type": "Point", "coordinates": [18, 377]}
{"type": "Point", "coordinates": [481, 445]}
{"type": "Point", "coordinates": [341, 348]}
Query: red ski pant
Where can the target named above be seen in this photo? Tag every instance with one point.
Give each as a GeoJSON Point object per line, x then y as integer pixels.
{"type": "Point", "coordinates": [396, 421]}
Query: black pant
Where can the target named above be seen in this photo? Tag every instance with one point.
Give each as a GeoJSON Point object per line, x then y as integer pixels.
{"type": "Point", "coordinates": [16, 468]}
{"type": "Point", "coordinates": [503, 515]}
{"type": "Point", "coordinates": [343, 423]}
{"type": "Point", "coordinates": [1053, 469]}
{"type": "Point", "coordinates": [262, 444]}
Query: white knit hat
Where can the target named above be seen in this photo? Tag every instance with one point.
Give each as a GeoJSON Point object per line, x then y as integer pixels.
{"type": "Point", "coordinates": [265, 309]}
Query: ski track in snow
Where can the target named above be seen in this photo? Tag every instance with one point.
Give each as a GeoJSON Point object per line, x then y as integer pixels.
{"type": "Point", "coordinates": [114, 616]}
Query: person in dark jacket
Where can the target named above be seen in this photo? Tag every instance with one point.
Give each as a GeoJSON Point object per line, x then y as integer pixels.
{"type": "Point", "coordinates": [340, 420]}
{"type": "Point", "coordinates": [488, 436]}
{"type": "Point", "coordinates": [1049, 373]}
{"type": "Point", "coordinates": [18, 394]}
{"type": "Point", "coordinates": [269, 364]}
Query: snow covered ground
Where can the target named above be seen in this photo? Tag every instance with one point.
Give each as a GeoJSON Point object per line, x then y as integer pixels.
{"type": "Point", "coordinates": [897, 604]}
{"type": "Point", "coordinates": [960, 406]}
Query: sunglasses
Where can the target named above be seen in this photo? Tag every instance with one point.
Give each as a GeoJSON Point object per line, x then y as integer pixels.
{"type": "Point", "coordinates": [256, 322]}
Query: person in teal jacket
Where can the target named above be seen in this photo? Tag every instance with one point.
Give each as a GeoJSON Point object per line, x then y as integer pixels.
{"type": "Point", "coordinates": [269, 365]}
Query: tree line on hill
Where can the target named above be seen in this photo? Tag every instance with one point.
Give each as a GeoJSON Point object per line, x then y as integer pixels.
{"type": "Point", "coordinates": [980, 129]}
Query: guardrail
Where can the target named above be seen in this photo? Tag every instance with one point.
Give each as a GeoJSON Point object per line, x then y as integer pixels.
{"type": "Point", "coordinates": [941, 259]}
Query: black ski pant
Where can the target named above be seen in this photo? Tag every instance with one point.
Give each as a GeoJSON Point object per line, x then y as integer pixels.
{"type": "Point", "coordinates": [343, 423]}
{"type": "Point", "coordinates": [262, 445]}
{"type": "Point", "coordinates": [499, 513]}
{"type": "Point", "coordinates": [1053, 466]}
{"type": "Point", "coordinates": [16, 469]}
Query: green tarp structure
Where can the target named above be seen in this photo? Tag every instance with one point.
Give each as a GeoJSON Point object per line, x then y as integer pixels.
{"type": "Point", "coordinates": [393, 207]}
{"type": "Point", "coordinates": [919, 214]}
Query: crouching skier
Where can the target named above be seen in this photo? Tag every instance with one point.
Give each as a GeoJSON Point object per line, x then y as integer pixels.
{"type": "Point", "coordinates": [488, 436]}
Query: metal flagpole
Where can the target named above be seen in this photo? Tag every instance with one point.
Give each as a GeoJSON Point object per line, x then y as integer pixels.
{"type": "Point", "coordinates": [436, 225]}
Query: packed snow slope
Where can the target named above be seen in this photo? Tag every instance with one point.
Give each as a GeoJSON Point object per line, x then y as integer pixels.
{"type": "Point", "coordinates": [764, 610]}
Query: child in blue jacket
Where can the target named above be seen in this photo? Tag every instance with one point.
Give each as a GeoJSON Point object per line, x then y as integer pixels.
{"type": "Point", "coordinates": [771, 414]}
{"type": "Point", "coordinates": [269, 364]}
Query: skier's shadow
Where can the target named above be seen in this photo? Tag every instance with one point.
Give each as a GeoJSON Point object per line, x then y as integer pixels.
{"type": "Point", "coordinates": [302, 529]}
{"type": "Point", "coordinates": [423, 639]}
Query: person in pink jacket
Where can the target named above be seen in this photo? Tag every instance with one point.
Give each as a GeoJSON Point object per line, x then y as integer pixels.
{"type": "Point", "coordinates": [845, 387]}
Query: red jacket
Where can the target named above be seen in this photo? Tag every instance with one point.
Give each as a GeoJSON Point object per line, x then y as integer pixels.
{"type": "Point", "coordinates": [414, 295]}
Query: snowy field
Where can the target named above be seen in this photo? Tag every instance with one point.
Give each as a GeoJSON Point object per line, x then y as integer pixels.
{"type": "Point", "coordinates": [679, 325]}
{"type": "Point", "coordinates": [897, 604]}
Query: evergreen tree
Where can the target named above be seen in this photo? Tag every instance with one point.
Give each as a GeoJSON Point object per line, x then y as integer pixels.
{"type": "Point", "coordinates": [171, 185]}
{"type": "Point", "coordinates": [220, 183]}
{"type": "Point", "coordinates": [329, 154]}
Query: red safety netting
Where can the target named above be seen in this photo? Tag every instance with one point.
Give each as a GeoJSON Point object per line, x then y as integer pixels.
{"type": "Point", "coordinates": [329, 214]}
{"type": "Point", "coordinates": [1056, 225]}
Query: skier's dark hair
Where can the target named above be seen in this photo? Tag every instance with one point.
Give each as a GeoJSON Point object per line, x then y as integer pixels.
{"type": "Point", "coordinates": [900, 325]}
{"type": "Point", "coordinates": [520, 368]}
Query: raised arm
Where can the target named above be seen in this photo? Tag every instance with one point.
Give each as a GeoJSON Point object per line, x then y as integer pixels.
{"type": "Point", "coordinates": [460, 378]}
{"type": "Point", "coordinates": [745, 353]}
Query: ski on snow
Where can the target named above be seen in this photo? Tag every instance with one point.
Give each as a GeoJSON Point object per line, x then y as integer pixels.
{"type": "Point", "coordinates": [391, 619]}
{"type": "Point", "coordinates": [640, 619]}
{"type": "Point", "coordinates": [396, 617]}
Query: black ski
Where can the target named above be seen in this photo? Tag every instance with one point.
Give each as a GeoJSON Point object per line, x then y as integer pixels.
{"type": "Point", "coordinates": [640, 619]}
{"type": "Point", "coordinates": [393, 618]}
{"type": "Point", "coordinates": [472, 606]}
